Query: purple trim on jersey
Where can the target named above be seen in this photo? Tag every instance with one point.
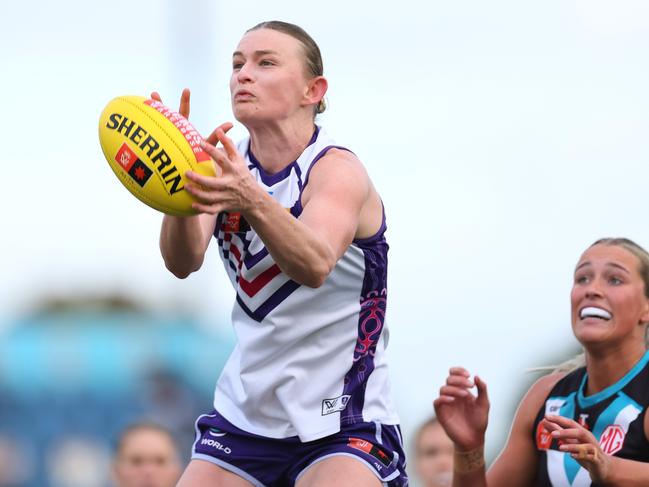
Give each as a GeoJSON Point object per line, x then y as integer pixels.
{"type": "Point", "coordinates": [271, 303]}
{"type": "Point", "coordinates": [319, 156]}
{"type": "Point", "coordinates": [272, 179]}
{"type": "Point", "coordinates": [296, 211]}
{"type": "Point", "coordinates": [373, 301]}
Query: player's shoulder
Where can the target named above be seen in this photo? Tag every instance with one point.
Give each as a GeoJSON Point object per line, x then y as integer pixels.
{"type": "Point", "coordinates": [540, 389]}
{"type": "Point", "coordinates": [341, 163]}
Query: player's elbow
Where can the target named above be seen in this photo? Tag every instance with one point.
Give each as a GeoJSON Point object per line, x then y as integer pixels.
{"type": "Point", "coordinates": [317, 274]}
{"type": "Point", "coordinates": [183, 269]}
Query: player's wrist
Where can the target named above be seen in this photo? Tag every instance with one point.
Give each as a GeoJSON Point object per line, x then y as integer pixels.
{"type": "Point", "coordinates": [604, 472]}
{"type": "Point", "coordinates": [468, 460]}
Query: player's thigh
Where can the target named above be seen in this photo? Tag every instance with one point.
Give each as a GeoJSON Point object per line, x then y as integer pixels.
{"type": "Point", "coordinates": [200, 473]}
{"type": "Point", "coordinates": [341, 471]}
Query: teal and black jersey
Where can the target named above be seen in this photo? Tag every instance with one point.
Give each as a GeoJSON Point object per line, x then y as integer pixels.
{"type": "Point", "coordinates": [615, 416]}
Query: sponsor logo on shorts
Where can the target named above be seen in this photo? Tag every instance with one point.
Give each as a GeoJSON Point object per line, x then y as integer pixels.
{"type": "Point", "coordinates": [217, 445]}
{"type": "Point", "coordinates": [612, 439]}
{"type": "Point", "coordinates": [335, 404]}
{"type": "Point", "coordinates": [370, 449]}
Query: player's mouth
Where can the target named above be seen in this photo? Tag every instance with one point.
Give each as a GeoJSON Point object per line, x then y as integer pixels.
{"type": "Point", "coordinates": [594, 312]}
{"type": "Point", "coordinates": [243, 95]}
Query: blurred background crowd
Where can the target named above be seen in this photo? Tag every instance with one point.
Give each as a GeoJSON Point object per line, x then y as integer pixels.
{"type": "Point", "coordinates": [75, 373]}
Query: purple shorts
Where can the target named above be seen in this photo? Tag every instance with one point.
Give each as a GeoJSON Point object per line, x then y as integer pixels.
{"type": "Point", "coordinates": [272, 462]}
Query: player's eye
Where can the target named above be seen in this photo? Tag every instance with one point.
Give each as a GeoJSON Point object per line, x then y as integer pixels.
{"type": "Point", "coordinates": [581, 279]}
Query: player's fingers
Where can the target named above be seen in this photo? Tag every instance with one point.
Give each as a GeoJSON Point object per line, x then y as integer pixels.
{"type": "Point", "coordinates": [156, 96]}
{"type": "Point", "coordinates": [184, 103]}
{"type": "Point", "coordinates": [459, 381]}
{"type": "Point", "coordinates": [481, 386]}
{"type": "Point", "coordinates": [210, 209]}
{"type": "Point", "coordinates": [228, 145]}
{"type": "Point", "coordinates": [580, 451]}
{"type": "Point", "coordinates": [200, 195]}
{"type": "Point", "coordinates": [208, 182]}
{"type": "Point", "coordinates": [452, 391]}
{"type": "Point", "coordinates": [212, 138]}
{"type": "Point", "coordinates": [562, 421]}
{"type": "Point", "coordinates": [570, 434]}
{"type": "Point", "coordinates": [217, 155]}
{"type": "Point", "coordinates": [459, 371]}
{"type": "Point", "coordinates": [442, 401]}
{"type": "Point", "coordinates": [550, 425]}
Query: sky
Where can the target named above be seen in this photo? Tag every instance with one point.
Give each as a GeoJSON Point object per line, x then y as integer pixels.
{"type": "Point", "coordinates": [504, 137]}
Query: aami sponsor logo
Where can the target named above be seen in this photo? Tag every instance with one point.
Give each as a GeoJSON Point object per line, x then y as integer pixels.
{"type": "Point", "coordinates": [217, 445]}
{"type": "Point", "coordinates": [335, 404]}
{"type": "Point", "coordinates": [612, 439]}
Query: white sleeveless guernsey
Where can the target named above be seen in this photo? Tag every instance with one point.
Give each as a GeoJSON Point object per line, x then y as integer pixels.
{"type": "Point", "coordinates": [307, 360]}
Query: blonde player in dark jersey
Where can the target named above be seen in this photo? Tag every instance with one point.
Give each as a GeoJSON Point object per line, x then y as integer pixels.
{"type": "Point", "coordinates": [588, 427]}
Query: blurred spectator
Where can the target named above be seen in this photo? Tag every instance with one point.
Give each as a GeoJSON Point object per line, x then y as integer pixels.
{"type": "Point", "coordinates": [433, 455]}
{"type": "Point", "coordinates": [77, 462]}
{"type": "Point", "coordinates": [15, 463]}
{"type": "Point", "coordinates": [146, 456]}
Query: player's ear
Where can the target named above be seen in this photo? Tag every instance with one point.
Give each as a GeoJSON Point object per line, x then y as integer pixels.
{"type": "Point", "coordinates": [644, 318]}
{"type": "Point", "coordinates": [315, 90]}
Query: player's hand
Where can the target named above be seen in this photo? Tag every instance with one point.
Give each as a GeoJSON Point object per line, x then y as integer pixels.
{"type": "Point", "coordinates": [235, 189]}
{"type": "Point", "coordinates": [463, 415]}
{"type": "Point", "coordinates": [183, 109]}
{"type": "Point", "coordinates": [581, 444]}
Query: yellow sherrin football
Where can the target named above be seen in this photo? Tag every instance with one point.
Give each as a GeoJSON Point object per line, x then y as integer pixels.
{"type": "Point", "coordinates": [150, 147]}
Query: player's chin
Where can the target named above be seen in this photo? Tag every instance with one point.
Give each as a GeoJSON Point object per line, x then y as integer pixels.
{"type": "Point", "coordinates": [251, 115]}
{"type": "Point", "coordinates": [592, 338]}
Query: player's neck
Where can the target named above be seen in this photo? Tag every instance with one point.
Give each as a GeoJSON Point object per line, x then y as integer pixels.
{"type": "Point", "coordinates": [278, 144]}
{"type": "Point", "coordinates": [605, 367]}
